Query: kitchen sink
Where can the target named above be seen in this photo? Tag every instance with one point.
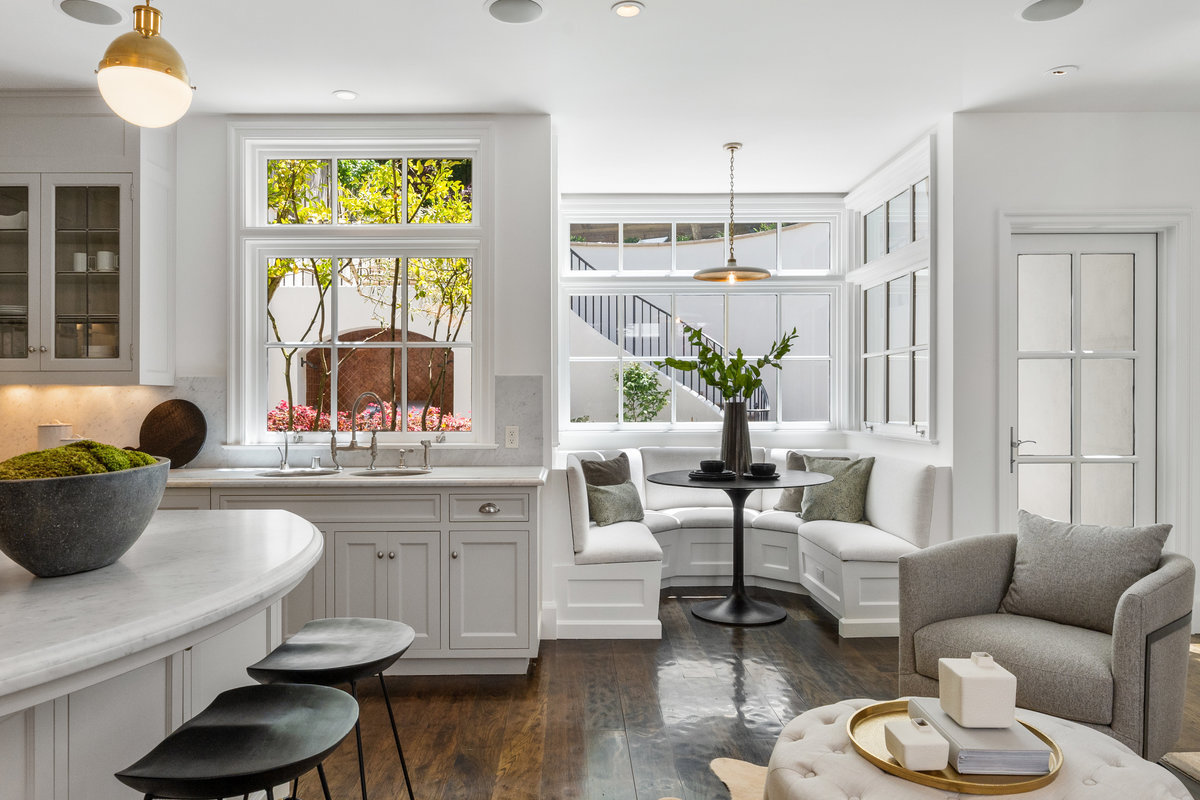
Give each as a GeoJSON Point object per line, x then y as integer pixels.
{"type": "Point", "coordinates": [299, 472]}
{"type": "Point", "coordinates": [392, 472]}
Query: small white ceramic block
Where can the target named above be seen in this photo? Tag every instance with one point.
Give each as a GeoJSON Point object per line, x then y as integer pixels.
{"type": "Point", "coordinates": [977, 692]}
{"type": "Point", "coordinates": [915, 744]}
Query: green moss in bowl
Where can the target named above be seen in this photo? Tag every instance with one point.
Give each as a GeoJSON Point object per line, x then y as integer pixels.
{"type": "Point", "coordinates": [84, 457]}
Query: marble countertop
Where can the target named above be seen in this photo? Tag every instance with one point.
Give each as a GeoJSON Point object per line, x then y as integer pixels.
{"type": "Point", "coordinates": [190, 571]}
{"type": "Point", "coordinates": [350, 477]}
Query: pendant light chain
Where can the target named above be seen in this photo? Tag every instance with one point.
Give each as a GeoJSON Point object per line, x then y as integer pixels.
{"type": "Point", "coordinates": [732, 150]}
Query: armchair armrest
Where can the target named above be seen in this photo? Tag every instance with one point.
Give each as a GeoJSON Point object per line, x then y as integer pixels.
{"type": "Point", "coordinates": [1149, 655]}
{"type": "Point", "coordinates": [959, 578]}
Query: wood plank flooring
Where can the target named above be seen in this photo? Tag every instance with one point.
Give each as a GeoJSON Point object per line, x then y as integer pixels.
{"type": "Point", "coordinates": [628, 720]}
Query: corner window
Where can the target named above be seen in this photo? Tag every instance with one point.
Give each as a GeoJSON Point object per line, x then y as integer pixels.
{"type": "Point", "coordinates": [360, 297]}
{"type": "Point", "coordinates": [895, 353]}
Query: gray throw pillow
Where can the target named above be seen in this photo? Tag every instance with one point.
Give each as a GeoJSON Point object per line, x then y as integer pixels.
{"type": "Point", "coordinates": [1075, 574]}
{"type": "Point", "coordinates": [843, 498]}
{"type": "Point", "coordinates": [606, 473]}
{"type": "Point", "coordinates": [618, 503]}
{"type": "Point", "coordinates": [792, 499]}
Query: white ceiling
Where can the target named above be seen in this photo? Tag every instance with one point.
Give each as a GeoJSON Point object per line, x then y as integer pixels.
{"type": "Point", "coordinates": [820, 91]}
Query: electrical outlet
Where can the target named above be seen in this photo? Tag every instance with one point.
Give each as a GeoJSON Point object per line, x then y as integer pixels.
{"type": "Point", "coordinates": [511, 436]}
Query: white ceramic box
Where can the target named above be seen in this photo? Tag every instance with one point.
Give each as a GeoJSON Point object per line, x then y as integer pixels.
{"type": "Point", "coordinates": [915, 744]}
{"type": "Point", "coordinates": [977, 692]}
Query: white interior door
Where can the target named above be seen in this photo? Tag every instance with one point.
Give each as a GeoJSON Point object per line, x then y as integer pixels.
{"type": "Point", "coordinates": [1078, 359]}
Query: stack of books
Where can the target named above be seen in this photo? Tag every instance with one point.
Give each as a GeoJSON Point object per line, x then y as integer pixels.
{"type": "Point", "coordinates": [1014, 750]}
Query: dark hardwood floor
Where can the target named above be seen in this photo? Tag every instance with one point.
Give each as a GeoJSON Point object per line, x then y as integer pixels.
{"type": "Point", "coordinates": [629, 720]}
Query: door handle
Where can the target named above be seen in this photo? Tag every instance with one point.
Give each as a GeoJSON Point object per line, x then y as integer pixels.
{"type": "Point", "coordinates": [1013, 444]}
{"type": "Point", "coordinates": [454, 554]}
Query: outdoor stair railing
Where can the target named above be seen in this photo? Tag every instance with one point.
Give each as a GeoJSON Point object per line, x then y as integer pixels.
{"type": "Point", "coordinates": [602, 313]}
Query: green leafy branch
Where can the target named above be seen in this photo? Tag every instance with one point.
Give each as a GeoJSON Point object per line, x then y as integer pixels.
{"type": "Point", "coordinates": [735, 376]}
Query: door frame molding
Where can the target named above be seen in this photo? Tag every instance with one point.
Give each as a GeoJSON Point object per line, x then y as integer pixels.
{"type": "Point", "coordinates": [1172, 228]}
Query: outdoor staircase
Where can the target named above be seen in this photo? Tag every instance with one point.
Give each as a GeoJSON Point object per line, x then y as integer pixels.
{"type": "Point", "coordinates": [603, 314]}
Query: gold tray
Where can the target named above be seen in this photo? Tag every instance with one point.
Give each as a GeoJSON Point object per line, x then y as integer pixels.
{"type": "Point", "coordinates": [865, 727]}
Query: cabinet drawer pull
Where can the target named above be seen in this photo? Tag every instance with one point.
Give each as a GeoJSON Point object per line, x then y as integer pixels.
{"type": "Point", "coordinates": [489, 508]}
{"type": "Point", "coordinates": [391, 555]}
{"type": "Point", "coordinates": [379, 554]}
{"type": "Point", "coordinates": [42, 348]}
{"type": "Point", "coordinates": [454, 554]}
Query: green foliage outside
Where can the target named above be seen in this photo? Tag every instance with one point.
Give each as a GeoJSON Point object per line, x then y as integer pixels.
{"type": "Point", "coordinates": [375, 191]}
{"type": "Point", "coordinates": [84, 457]}
{"type": "Point", "coordinates": [736, 377]}
{"type": "Point", "coordinates": [642, 396]}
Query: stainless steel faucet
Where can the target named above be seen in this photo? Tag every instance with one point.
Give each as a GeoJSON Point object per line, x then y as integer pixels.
{"type": "Point", "coordinates": [334, 447]}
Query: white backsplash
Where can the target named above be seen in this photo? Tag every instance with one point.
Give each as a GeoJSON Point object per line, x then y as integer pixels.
{"type": "Point", "coordinates": [114, 414]}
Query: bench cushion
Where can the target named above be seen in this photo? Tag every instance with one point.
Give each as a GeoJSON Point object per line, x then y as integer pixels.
{"type": "Point", "coordinates": [854, 541]}
{"type": "Point", "coordinates": [900, 498]}
{"type": "Point", "coordinates": [619, 543]}
{"type": "Point", "coordinates": [1061, 669]}
{"type": "Point", "coordinates": [707, 517]}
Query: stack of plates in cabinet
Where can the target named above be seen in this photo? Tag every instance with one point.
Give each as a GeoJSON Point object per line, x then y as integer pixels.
{"type": "Point", "coordinates": [102, 351]}
{"type": "Point", "coordinates": [13, 310]}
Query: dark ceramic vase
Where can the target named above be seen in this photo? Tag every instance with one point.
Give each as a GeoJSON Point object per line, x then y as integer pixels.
{"type": "Point", "coordinates": [735, 437]}
{"type": "Point", "coordinates": [60, 526]}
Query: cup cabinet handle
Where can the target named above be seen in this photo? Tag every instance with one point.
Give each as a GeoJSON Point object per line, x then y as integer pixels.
{"type": "Point", "coordinates": [489, 508]}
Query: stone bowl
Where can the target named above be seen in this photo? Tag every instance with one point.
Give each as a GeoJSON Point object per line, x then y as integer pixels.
{"type": "Point", "coordinates": [60, 526]}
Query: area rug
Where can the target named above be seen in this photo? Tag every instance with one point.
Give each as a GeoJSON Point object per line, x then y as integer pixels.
{"type": "Point", "coordinates": [746, 781]}
{"type": "Point", "coordinates": [1187, 763]}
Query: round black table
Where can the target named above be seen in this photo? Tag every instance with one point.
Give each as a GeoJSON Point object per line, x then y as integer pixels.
{"type": "Point", "coordinates": [739, 608]}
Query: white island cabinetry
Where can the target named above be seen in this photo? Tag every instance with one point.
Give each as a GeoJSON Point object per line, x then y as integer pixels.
{"type": "Point", "coordinates": [452, 553]}
{"type": "Point", "coordinates": [98, 667]}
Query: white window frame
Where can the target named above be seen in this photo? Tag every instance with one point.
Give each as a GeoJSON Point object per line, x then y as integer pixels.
{"type": "Point", "coordinates": [707, 209]}
{"type": "Point", "coordinates": [254, 241]}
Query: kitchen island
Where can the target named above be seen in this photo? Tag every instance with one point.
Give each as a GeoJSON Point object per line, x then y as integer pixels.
{"type": "Point", "coordinates": [96, 668]}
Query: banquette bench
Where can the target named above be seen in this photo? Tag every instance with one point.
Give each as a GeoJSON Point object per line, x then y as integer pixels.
{"type": "Point", "coordinates": [611, 587]}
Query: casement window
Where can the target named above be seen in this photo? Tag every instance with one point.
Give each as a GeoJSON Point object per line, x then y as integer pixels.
{"type": "Point", "coordinates": [360, 274]}
{"type": "Point", "coordinates": [626, 296]}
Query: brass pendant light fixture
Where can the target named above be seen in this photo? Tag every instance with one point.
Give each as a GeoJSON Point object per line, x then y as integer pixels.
{"type": "Point", "coordinates": [731, 272]}
{"type": "Point", "coordinates": [142, 77]}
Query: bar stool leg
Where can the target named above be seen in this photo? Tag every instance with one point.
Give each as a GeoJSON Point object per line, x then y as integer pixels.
{"type": "Point", "coordinates": [362, 770]}
{"type": "Point", "coordinates": [324, 783]}
{"type": "Point", "coordinates": [387, 701]}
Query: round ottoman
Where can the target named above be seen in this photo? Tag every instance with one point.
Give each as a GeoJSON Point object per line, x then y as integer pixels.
{"type": "Point", "coordinates": [814, 760]}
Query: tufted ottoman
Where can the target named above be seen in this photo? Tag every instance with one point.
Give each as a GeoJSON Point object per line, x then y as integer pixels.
{"type": "Point", "coordinates": [814, 760]}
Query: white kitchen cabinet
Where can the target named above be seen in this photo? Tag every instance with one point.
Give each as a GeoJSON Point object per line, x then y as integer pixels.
{"type": "Point", "coordinates": [391, 575]}
{"type": "Point", "coordinates": [458, 564]}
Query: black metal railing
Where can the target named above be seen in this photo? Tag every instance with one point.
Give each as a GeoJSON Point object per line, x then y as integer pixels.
{"type": "Point", "coordinates": [649, 328]}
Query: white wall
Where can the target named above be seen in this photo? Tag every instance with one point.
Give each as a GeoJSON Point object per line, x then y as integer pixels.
{"type": "Point", "coordinates": [1004, 163]}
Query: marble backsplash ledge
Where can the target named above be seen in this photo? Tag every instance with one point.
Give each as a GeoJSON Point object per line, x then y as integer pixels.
{"type": "Point", "coordinates": [114, 414]}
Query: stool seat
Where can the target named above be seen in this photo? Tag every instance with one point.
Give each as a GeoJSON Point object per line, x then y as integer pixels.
{"type": "Point", "coordinates": [247, 740]}
{"type": "Point", "coordinates": [336, 650]}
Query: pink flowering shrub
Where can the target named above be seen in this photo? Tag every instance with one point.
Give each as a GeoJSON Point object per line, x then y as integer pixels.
{"type": "Point", "coordinates": [306, 418]}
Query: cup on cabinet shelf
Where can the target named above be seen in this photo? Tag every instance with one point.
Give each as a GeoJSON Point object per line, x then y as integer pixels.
{"type": "Point", "coordinates": [106, 261]}
{"type": "Point", "coordinates": [79, 262]}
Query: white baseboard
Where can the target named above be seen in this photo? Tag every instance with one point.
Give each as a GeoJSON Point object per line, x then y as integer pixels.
{"type": "Point", "coordinates": [648, 629]}
{"type": "Point", "coordinates": [862, 628]}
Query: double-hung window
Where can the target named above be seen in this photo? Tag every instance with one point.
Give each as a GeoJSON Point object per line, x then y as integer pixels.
{"type": "Point", "coordinates": [360, 275]}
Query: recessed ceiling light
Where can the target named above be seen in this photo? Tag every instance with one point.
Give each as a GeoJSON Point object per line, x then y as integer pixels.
{"type": "Point", "coordinates": [89, 11]}
{"type": "Point", "coordinates": [515, 11]}
{"type": "Point", "coordinates": [1047, 10]}
{"type": "Point", "coordinates": [628, 8]}
{"type": "Point", "coordinates": [1062, 71]}
{"type": "Point", "coordinates": [345, 94]}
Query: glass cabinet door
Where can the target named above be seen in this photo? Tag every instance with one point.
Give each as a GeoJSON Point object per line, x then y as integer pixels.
{"type": "Point", "coordinates": [88, 297]}
{"type": "Point", "coordinates": [18, 269]}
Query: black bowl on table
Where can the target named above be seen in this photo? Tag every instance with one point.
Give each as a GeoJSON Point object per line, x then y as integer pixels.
{"type": "Point", "coordinates": [762, 469]}
{"type": "Point", "coordinates": [713, 465]}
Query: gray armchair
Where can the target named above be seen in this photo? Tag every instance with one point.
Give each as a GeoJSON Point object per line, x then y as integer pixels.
{"type": "Point", "coordinates": [1129, 684]}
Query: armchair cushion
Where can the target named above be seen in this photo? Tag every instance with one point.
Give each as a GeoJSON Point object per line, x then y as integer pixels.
{"type": "Point", "coordinates": [1061, 669]}
{"type": "Point", "coordinates": [1075, 574]}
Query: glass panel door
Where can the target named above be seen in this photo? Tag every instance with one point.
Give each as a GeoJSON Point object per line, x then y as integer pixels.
{"type": "Point", "coordinates": [18, 269]}
{"type": "Point", "coordinates": [88, 298]}
{"type": "Point", "coordinates": [1081, 368]}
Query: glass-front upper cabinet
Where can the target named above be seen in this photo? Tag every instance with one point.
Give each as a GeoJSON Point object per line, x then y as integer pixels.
{"type": "Point", "coordinates": [65, 292]}
{"type": "Point", "coordinates": [18, 267]}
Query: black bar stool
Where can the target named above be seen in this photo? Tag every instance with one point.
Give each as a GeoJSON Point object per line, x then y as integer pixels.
{"type": "Point", "coordinates": [341, 650]}
{"type": "Point", "coordinates": [248, 739]}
